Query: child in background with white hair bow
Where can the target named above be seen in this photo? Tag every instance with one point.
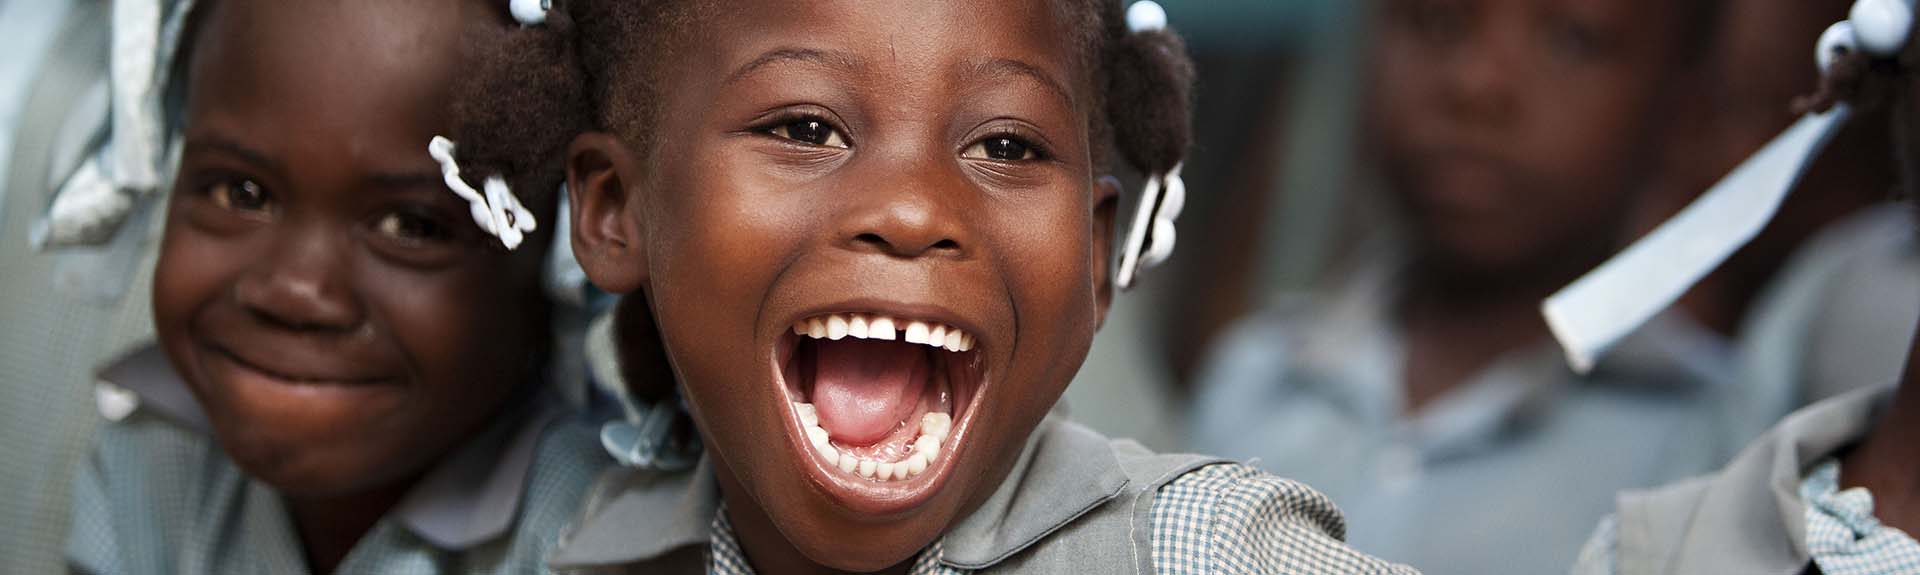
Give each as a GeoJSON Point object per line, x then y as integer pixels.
{"type": "Point", "coordinates": [354, 338]}
{"type": "Point", "coordinates": [1831, 489]}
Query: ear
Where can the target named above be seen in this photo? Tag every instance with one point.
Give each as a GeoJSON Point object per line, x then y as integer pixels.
{"type": "Point", "coordinates": [1106, 203]}
{"type": "Point", "coordinates": [608, 230]}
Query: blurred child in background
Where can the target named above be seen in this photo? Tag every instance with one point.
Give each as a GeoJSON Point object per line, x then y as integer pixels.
{"type": "Point", "coordinates": [1831, 488]}
{"type": "Point", "coordinates": [1420, 388]}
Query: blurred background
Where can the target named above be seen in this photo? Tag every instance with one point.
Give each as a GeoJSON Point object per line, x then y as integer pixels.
{"type": "Point", "coordinates": [1380, 195]}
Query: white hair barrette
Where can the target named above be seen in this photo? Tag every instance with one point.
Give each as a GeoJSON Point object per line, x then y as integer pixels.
{"type": "Point", "coordinates": [1150, 239]}
{"type": "Point", "coordinates": [530, 12]}
{"type": "Point", "coordinates": [497, 211]}
{"type": "Point", "coordinates": [1602, 307]}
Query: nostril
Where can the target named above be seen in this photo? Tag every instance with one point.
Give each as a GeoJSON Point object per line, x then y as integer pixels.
{"type": "Point", "coordinates": [946, 245]}
{"type": "Point", "coordinates": [871, 238]}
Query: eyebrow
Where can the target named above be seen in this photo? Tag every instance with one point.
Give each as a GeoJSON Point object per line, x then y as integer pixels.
{"type": "Point", "coordinates": [996, 68]}
{"type": "Point", "coordinates": [988, 69]}
{"type": "Point", "coordinates": [836, 60]}
{"type": "Point", "coordinates": [406, 180]}
{"type": "Point", "coordinates": [237, 150]}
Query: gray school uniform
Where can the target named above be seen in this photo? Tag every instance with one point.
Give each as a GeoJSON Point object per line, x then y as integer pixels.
{"type": "Point", "coordinates": [1753, 516]}
{"type": "Point", "coordinates": [1075, 502]}
{"type": "Point", "coordinates": [1315, 391]}
{"type": "Point", "coordinates": [158, 495]}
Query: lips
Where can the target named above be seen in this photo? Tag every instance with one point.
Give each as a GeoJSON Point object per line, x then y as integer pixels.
{"type": "Point", "coordinates": [291, 365]}
{"type": "Point", "coordinates": [877, 398]}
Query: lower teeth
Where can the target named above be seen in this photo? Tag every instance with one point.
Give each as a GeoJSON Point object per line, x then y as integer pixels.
{"type": "Point", "coordinates": [926, 447]}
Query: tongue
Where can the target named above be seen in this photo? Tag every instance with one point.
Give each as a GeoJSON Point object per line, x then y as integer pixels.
{"type": "Point", "coordinates": [863, 389]}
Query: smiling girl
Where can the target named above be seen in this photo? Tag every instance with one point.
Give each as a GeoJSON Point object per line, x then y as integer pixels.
{"type": "Point", "coordinates": [348, 376]}
{"type": "Point", "coordinates": [875, 237]}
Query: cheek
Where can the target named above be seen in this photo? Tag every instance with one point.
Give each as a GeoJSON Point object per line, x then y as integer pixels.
{"type": "Point", "coordinates": [470, 333]}
{"type": "Point", "coordinates": [1048, 265]}
{"type": "Point", "coordinates": [192, 272]}
{"type": "Point", "coordinates": [717, 241]}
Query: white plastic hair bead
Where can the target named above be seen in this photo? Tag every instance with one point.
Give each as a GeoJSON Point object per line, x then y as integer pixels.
{"type": "Point", "coordinates": [1838, 39]}
{"type": "Point", "coordinates": [1881, 26]}
{"type": "Point", "coordinates": [530, 12]}
{"type": "Point", "coordinates": [1146, 16]}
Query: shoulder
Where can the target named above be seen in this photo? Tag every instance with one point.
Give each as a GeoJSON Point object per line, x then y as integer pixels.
{"type": "Point", "coordinates": [1234, 518]}
{"type": "Point", "coordinates": [567, 463]}
{"type": "Point", "coordinates": [149, 451]}
{"type": "Point", "coordinates": [140, 486]}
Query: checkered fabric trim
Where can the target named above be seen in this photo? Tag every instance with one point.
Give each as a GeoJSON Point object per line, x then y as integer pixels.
{"type": "Point", "coordinates": [728, 559]}
{"type": "Point", "coordinates": [1842, 534]}
{"type": "Point", "coordinates": [1231, 518]}
{"type": "Point", "coordinates": [1223, 518]}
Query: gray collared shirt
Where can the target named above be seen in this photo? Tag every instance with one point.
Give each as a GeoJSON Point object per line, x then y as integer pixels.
{"type": "Point", "coordinates": [1507, 461]}
{"type": "Point", "coordinates": [1749, 518]}
{"type": "Point", "coordinates": [1206, 517]}
{"type": "Point", "coordinates": [158, 495]}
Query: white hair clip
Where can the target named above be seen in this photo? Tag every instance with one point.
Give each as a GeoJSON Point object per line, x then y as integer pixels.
{"type": "Point", "coordinates": [1146, 16]}
{"type": "Point", "coordinates": [1150, 240]}
{"type": "Point", "coordinates": [1881, 26]}
{"type": "Point", "coordinates": [1596, 311]}
{"type": "Point", "coordinates": [530, 12]}
{"type": "Point", "coordinates": [497, 212]}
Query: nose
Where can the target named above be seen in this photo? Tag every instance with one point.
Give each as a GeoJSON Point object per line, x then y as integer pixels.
{"type": "Point", "coordinates": [919, 212]}
{"type": "Point", "coordinates": [1480, 80]}
{"type": "Point", "coordinates": [304, 283]}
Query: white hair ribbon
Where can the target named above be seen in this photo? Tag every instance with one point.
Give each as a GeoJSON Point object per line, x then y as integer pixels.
{"type": "Point", "coordinates": [1596, 311]}
{"type": "Point", "coordinates": [497, 211]}
{"type": "Point", "coordinates": [1602, 307]}
{"type": "Point", "coordinates": [1150, 239]}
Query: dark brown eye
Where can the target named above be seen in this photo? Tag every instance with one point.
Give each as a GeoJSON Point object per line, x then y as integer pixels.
{"type": "Point", "coordinates": [1001, 148]}
{"type": "Point", "coordinates": [411, 227]}
{"type": "Point", "coordinates": [240, 196]}
{"type": "Point", "coordinates": [810, 131]}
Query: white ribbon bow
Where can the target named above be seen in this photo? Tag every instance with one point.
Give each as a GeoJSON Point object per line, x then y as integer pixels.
{"type": "Point", "coordinates": [497, 211]}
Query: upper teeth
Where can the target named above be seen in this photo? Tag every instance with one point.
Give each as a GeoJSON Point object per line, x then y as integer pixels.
{"type": "Point", "coordinates": [865, 326]}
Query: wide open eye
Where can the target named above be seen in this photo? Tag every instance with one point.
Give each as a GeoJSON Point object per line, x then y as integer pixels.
{"type": "Point", "coordinates": [1002, 148]}
{"type": "Point", "coordinates": [240, 195]}
{"type": "Point", "coordinates": [813, 131]}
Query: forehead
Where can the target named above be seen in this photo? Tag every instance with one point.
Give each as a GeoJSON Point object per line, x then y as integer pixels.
{"type": "Point", "coordinates": [908, 34]}
{"type": "Point", "coordinates": [326, 64]}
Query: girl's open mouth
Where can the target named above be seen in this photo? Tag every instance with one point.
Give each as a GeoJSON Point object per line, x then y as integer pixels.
{"type": "Point", "coordinates": [877, 397]}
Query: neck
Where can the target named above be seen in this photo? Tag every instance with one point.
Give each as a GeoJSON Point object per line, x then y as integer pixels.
{"type": "Point", "coordinates": [1887, 462]}
{"type": "Point", "coordinates": [1453, 331]}
{"type": "Point", "coordinates": [329, 527]}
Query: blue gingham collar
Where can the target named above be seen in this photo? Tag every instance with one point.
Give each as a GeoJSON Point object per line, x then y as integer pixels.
{"type": "Point", "coordinates": [1844, 537]}
{"type": "Point", "coordinates": [1754, 506]}
{"type": "Point", "coordinates": [469, 498]}
{"type": "Point", "coordinates": [677, 510]}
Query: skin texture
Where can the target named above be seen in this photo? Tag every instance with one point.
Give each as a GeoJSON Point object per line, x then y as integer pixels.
{"type": "Point", "coordinates": [1514, 134]}
{"type": "Point", "coordinates": [735, 227]}
{"type": "Point", "coordinates": [329, 301]}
